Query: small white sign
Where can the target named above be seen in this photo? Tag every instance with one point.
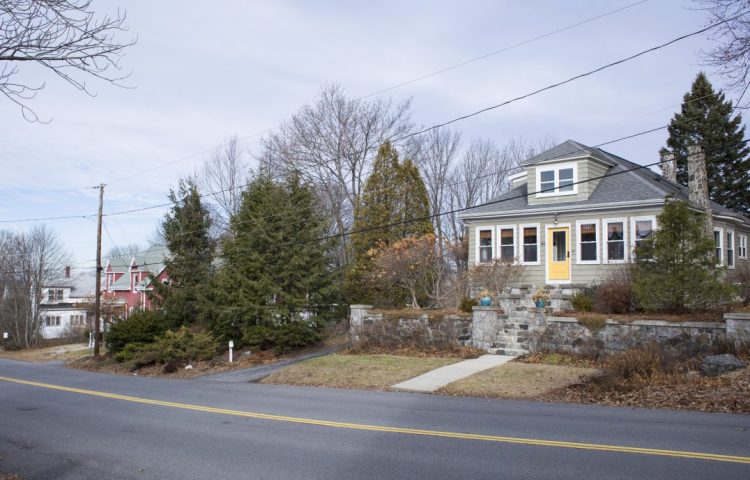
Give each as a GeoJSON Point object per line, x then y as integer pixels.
{"type": "Point", "coordinates": [5, 335]}
{"type": "Point", "coordinates": [231, 344]}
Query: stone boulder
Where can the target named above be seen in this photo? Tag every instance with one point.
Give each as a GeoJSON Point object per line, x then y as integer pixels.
{"type": "Point", "coordinates": [714, 365]}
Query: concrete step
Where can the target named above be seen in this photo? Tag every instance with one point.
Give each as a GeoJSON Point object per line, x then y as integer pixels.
{"type": "Point", "coordinates": [512, 352]}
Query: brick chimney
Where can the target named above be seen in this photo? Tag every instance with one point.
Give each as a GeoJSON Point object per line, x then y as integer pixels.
{"type": "Point", "coordinates": [668, 167]}
{"type": "Point", "coordinates": [67, 272]}
{"type": "Point", "coordinates": [698, 183]}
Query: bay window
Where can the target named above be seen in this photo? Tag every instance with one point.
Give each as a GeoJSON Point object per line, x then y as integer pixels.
{"type": "Point", "coordinates": [742, 247]}
{"type": "Point", "coordinates": [719, 242]}
{"type": "Point", "coordinates": [730, 248]}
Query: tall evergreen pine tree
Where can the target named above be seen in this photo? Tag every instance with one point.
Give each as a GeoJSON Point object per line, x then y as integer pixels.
{"type": "Point", "coordinates": [393, 204]}
{"type": "Point", "coordinates": [706, 120]}
{"type": "Point", "coordinates": [273, 263]}
{"type": "Point", "coordinates": [186, 231]}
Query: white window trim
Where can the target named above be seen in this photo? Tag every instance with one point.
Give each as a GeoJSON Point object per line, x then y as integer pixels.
{"type": "Point", "coordinates": [605, 237]}
{"type": "Point", "coordinates": [721, 244]}
{"type": "Point", "coordinates": [731, 247]}
{"type": "Point", "coordinates": [546, 256]}
{"type": "Point", "coordinates": [595, 222]}
{"type": "Point", "coordinates": [521, 256]}
{"type": "Point", "coordinates": [498, 249]}
{"type": "Point", "coordinates": [633, 220]}
{"type": "Point", "coordinates": [492, 237]}
{"type": "Point", "coordinates": [134, 277]}
{"type": "Point", "coordinates": [742, 246]}
{"type": "Point", "coordinates": [556, 168]}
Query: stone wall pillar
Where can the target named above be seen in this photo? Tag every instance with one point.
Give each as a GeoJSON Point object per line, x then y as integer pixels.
{"type": "Point", "coordinates": [738, 328]}
{"type": "Point", "coordinates": [484, 326]}
{"type": "Point", "coordinates": [357, 315]}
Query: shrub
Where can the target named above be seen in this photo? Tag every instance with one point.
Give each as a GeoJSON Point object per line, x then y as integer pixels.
{"type": "Point", "coordinates": [141, 354]}
{"type": "Point", "coordinates": [184, 346]}
{"type": "Point", "coordinates": [285, 336]}
{"type": "Point", "coordinates": [637, 364]}
{"type": "Point", "coordinates": [142, 326]}
{"type": "Point", "coordinates": [615, 294]}
{"type": "Point", "coordinates": [583, 300]}
{"type": "Point", "coordinates": [676, 267]}
{"type": "Point", "coordinates": [468, 304]}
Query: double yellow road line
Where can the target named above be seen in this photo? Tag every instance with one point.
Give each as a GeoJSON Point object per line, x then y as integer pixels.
{"type": "Point", "coordinates": [396, 430]}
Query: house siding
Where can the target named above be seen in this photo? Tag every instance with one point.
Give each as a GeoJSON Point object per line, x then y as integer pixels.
{"type": "Point", "coordinates": [584, 273]}
{"type": "Point", "coordinates": [580, 273]}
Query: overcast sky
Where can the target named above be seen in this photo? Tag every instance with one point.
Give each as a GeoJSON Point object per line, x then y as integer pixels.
{"type": "Point", "coordinates": [203, 71]}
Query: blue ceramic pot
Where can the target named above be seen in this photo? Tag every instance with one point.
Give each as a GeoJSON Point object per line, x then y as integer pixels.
{"type": "Point", "coordinates": [485, 301]}
{"type": "Point", "coordinates": [540, 303]}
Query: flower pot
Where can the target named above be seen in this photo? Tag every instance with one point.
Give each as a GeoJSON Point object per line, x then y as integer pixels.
{"type": "Point", "coordinates": [539, 303]}
{"type": "Point", "coordinates": [485, 301]}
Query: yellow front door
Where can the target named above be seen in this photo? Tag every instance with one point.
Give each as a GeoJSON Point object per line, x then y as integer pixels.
{"type": "Point", "coordinates": [558, 253]}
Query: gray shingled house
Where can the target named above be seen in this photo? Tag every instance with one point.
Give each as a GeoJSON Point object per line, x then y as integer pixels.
{"type": "Point", "coordinates": [576, 212]}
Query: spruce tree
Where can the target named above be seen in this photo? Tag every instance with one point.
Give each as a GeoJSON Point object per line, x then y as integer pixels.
{"type": "Point", "coordinates": [191, 249]}
{"type": "Point", "coordinates": [274, 264]}
{"type": "Point", "coordinates": [676, 268]}
{"type": "Point", "coordinates": [393, 205]}
{"type": "Point", "coordinates": [706, 120]}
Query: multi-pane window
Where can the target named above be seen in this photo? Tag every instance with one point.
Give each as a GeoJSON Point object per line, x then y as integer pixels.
{"type": "Point", "coordinates": [565, 179]}
{"type": "Point", "coordinates": [642, 230]}
{"type": "Point", "coordinates": [54, 295]}
{"type": "Point", "coordinates": [616, 241]}
{"type": "Point", "coordinates": [52, 321]}
{"type": "Point", "coordinates": [507, 243]}
{"type": "Point", "coordinates": [719, 247]}
{"type": "Point", "coordinates": [587, 242]}
{"type": "Point", "coordinates": [742, 246]}
{"type": "Point", "coordinates": [730, 249]}
{"type": "Point", "coordinates": [77, 320]}
{"type": "Point", "coordinates": [547, 181]}
{"type": "Point", "coordinates": [530, 244]}
{"type": "Point", "coordinates": [485, 246]}
{"type": "Point", "coordinates": [557, 180]}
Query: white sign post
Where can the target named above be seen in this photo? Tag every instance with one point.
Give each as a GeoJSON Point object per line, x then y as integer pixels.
{"type": "Point", "coordinates": [5, 341]}
{"type": "Point", "coordinates": [231, 346]}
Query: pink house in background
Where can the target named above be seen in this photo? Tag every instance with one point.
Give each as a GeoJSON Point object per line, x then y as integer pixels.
{"type": "Point", "coordinates": [128, 279]}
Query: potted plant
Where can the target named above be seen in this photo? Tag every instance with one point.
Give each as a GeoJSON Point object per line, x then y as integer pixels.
{"type": "Point", "coordinates": [541, 297]}
{"type": "Point", "coordinates": [485, 299]}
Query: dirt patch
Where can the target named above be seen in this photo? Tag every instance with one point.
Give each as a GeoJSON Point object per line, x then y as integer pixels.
{"type": "Point", "coordinates": [49, 354]}
{"type": "Point", "coordinates": [554, 358]}
{"type": "Point", "coordinates": [729, 393]}
{"type": "Point", "coordinates": [631, 317]}
{"type": "Point", "coordinates": [371, 372]}
{"type": "Point", "coordinates": [518, 380]}
{"type": "Point", "coordinates": [456, 352]}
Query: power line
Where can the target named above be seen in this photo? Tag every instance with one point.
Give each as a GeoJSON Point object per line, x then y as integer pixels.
{"type": "Point", "coordinates": [408, 82]}
{"type": "Point", "coordinates": [485, 109]}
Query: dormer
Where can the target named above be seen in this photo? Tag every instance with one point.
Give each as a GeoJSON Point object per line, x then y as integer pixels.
{"type": "Point", "coordinates": [567, 173]}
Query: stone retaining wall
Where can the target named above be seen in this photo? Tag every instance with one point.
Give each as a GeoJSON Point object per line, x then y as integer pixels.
{"type": "Point", "coordinates": [362, 316]}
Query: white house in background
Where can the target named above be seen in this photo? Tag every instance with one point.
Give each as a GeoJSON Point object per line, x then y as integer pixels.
{"type": "Point", "coordinates": [63, 306]}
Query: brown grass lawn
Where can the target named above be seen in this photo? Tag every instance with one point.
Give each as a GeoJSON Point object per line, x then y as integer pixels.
{"type": "Point", "coordinates": [376, 372]}
{"type": "Point", "coordinates": [49, 354]}
{"type": "Point", "coordinates": [518, 380]}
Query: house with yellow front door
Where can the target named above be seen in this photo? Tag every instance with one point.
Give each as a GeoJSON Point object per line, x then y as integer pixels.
{"type": "Point", "coordinates": [575, 213]}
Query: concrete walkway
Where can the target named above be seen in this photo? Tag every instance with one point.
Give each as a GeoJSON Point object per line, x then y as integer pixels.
{"type": "Point", "coordinates": [432, 380]}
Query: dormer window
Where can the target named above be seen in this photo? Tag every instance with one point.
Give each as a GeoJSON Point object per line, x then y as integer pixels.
{"type": "Point", "coordinates": [557, 180]}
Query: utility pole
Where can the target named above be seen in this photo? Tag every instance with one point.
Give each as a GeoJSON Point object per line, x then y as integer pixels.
{"type": "Point", "coordinates": [98, 301]}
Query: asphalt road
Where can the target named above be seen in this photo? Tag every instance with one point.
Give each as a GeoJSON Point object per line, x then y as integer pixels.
{"type": "Point", "coordinates": [237, 430]}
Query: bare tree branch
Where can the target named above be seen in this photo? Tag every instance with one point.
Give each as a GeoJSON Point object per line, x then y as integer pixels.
{"type": "Point", "coordinates": [63, 36]}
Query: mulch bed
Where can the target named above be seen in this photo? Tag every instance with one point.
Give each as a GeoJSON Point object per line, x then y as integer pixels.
{"type": "Point", "coordinates": [729, 393]}
{"type": "Point", "coordinates": [458, 352]}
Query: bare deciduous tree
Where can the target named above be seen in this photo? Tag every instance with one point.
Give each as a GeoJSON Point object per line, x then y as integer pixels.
{"type": "Point", "coordinates": [732, 52]}
{"type": "Point", "coordinates": [330, 143]}
{"type": "Point", "coordinates": [63, 36]}
{"type": "Point", "coordinates": [128, 250]}
{"type": "Point", "coordinates": [29, 262]}
{"type": "Point", "coordinates": [222, 178]}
